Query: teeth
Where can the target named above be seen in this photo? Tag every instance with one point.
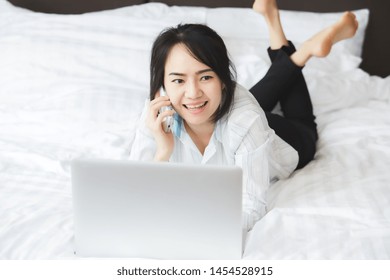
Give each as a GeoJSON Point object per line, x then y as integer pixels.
{"type": "Point", "coordinates": [195, 107]}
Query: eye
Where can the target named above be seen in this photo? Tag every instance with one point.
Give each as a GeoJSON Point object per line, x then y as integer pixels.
{"type": "Point", "coordinates": [177, 81]}
{"type": "Point", "coordinates": [206, 78]}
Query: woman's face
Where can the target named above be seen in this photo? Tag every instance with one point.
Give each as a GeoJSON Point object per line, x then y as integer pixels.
{"type": "Point", "coordinates": [194, 89]}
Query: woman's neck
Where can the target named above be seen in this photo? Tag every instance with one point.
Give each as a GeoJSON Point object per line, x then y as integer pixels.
{"type": "Point", "coordinates": [200, 135]}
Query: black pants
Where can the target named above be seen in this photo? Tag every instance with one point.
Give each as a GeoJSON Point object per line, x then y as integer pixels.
{"type": "Point", "coordinates": [284, 83]}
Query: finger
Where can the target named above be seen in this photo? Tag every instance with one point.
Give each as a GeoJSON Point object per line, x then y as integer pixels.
{"type": "Point", "coordinates": [155, 107]}
{"type": "Point", "coordinates": [165, 120]}
{"type": "Point", "coordinates": [164, 114]}
{"type": "Point", "coordinates": [158, 100]}
{"type": "Point", "coordinates": [157, 94]}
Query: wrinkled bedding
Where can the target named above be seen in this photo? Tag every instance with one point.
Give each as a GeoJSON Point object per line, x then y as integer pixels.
{"type": "Point", "coordinates": [75, 85]}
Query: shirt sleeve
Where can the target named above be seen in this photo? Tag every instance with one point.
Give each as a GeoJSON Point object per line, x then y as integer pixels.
{"type": "Point", "coordinates": [263, 157]}
{"type": "Point", "coordinates": [144, 146]}
{"type": "Point", "coordinates": [251, 156]}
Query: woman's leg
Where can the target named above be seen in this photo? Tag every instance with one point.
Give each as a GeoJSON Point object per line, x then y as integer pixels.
{"type": "Point", "coordinates": [319, 45]}
{"type": "Point", "coordinates": [270, 12]}
{"type": "Point", "coordinates": [275, 84]}
{"type": "Point", "coordinates": [284, 80]}
{"type": "Point", "coordinates": [285, 83]}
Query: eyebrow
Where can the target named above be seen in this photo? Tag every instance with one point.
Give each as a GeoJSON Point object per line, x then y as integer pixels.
{"type": "Point", "coordinates": [199, 72]}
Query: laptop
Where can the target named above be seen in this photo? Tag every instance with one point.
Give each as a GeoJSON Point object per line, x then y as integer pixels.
{"type": "Point", "coordinates": [132, 209]}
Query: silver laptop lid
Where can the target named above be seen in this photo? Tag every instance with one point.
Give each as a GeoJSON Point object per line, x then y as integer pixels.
{"type": "Point", "coordinates": [156, 210]}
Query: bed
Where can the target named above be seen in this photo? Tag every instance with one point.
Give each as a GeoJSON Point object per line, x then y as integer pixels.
{"type": "Point", "coordinates": [73, 80]}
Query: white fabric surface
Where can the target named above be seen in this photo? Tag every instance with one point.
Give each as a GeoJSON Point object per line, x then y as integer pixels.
{"type": "Point", "coordinates": [74, 86]}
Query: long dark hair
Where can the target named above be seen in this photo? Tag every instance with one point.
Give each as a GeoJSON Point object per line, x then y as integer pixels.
{"type": "Point", "coordinates": [207, 47]}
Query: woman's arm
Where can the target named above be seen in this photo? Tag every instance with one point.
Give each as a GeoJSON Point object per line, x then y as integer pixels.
{"type": "Point", "coordinates": [264, 158]}
{"type": "Point", "coordinates": [151, 141]}
{"type": "Point", "coordinates": [252, 157]}
{"type": "Point", "coordinates": [154, 122]}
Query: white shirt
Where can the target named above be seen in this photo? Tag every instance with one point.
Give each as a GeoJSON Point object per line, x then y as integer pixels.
{"type": "Point", "coordinates": [241, 138]}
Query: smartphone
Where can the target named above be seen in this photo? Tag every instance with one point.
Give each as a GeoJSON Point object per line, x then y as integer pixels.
{"type": "Point", "coordinates": [168, 121]}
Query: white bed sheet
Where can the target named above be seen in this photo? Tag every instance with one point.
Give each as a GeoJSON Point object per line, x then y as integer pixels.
{"type": "Point", "coordinates": [74, 86]}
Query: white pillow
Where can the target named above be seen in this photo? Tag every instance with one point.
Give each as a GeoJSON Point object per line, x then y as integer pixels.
{"type": "Point", "coordinates": [4, 5]}
{"type": "Point", "coordinates": [157, 11]}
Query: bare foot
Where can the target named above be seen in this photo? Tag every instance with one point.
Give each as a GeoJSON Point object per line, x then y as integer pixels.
{"type": "Point", "coordinates": [346, 27]}
{"type": "Point", "coordinates": [267, 8]}
{"type": "Point", "coordinates": [320, 44]}
{"type": "Point", "coordinates": [270, 12]}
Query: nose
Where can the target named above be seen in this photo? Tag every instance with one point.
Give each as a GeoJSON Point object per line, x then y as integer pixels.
{"type": "Point", "coordinates": [193, 90]}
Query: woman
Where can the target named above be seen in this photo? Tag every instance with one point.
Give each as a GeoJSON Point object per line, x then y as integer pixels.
{"type": "Point", "coordinates": [218, 121]}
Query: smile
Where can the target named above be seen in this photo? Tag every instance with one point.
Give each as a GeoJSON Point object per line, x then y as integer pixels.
{"type": "Point", "coordinates": [195, 107]}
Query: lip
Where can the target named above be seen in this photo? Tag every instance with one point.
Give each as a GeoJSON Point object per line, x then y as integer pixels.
{"type": "Point", "coordinates": [195, 105]}
{"type": "Point", "coordinates": [195, 108]}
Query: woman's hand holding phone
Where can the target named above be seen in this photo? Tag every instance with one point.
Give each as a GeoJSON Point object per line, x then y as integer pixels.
{"type": "Point", "coordinates": [158, 113]}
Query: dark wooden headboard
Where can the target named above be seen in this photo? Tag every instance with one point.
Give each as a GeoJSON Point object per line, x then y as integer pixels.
{"type": "Point", "coordinates": [376, 61]}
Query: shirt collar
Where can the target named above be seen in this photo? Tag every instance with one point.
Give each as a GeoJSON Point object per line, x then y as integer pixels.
{"type": "Point", "coordinates": [177, 125]}
{"type": "Point", "coordinates": [179, 130]}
